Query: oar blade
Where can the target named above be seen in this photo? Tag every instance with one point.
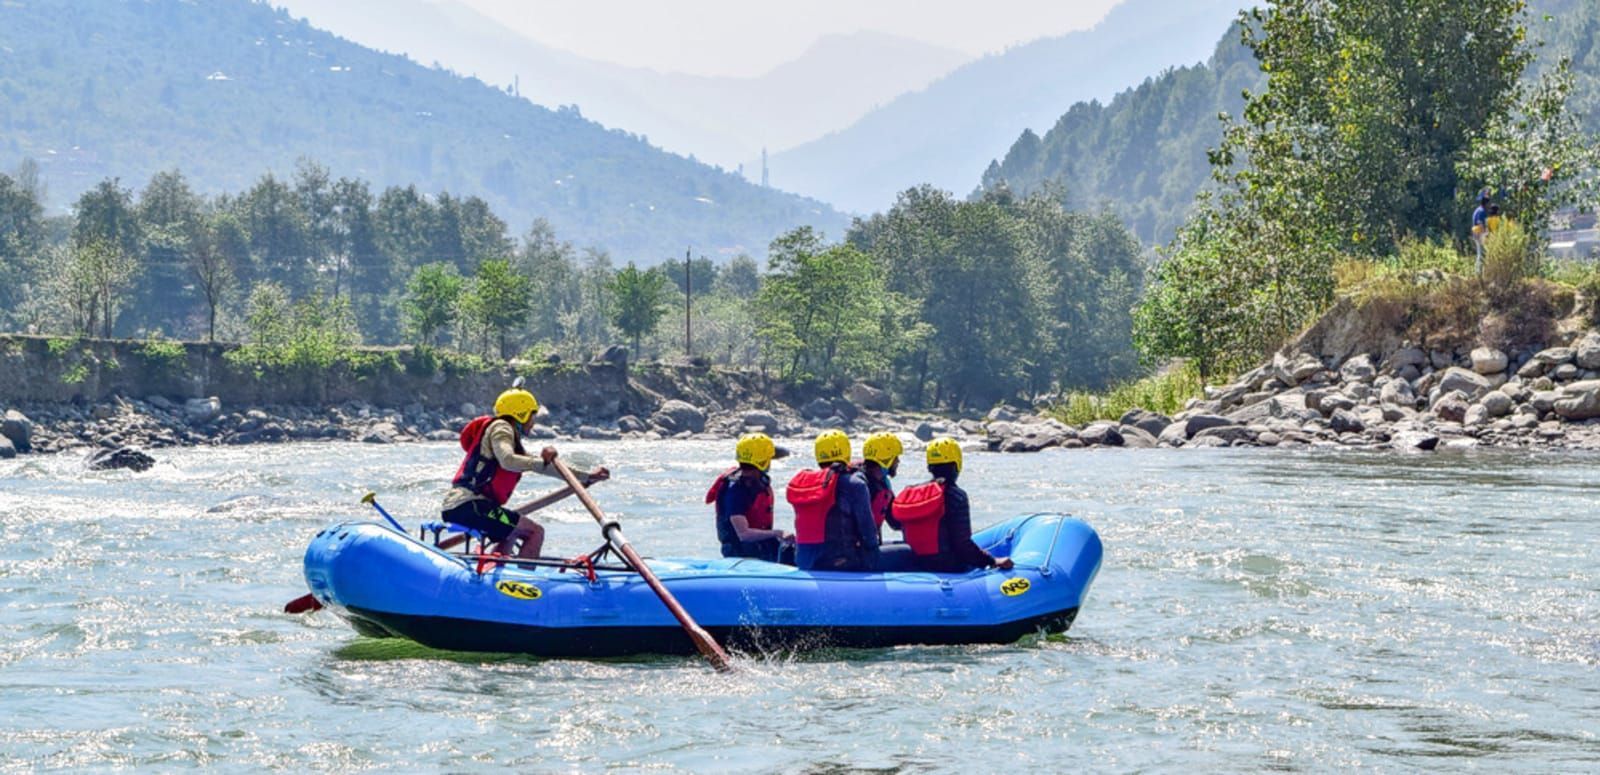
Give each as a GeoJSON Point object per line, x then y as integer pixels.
{"type": "Point", "coordinates": [302, 604]}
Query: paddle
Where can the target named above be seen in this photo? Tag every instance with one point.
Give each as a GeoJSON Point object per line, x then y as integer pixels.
{"type": "Point", "coordinates": [613, 534]}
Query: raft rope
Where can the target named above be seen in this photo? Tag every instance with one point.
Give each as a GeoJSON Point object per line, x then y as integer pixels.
{"type": "Point", "coordinates": [586, 563]}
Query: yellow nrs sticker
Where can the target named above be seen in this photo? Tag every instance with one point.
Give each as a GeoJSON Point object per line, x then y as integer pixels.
{"type": "Point", "coordinates": [1014, 586]}
{"type": "Point", "coordinates": [520, 590]}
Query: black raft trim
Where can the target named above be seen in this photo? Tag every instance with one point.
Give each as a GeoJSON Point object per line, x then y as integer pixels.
{"type": "Point", "coordinates": [454, 634]}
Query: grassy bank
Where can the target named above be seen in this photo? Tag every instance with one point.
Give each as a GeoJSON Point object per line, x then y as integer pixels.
{"type": "Point", "coordinates": [1165, 392]}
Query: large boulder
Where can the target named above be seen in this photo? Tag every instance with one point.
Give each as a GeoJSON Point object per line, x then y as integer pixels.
{"type": "Point", "coordinates": [382, 433]}
{"type": "Point", "coordinates": [16, 428]}
{"type": "Point", "coordinates": [1397, 392]}
{"type": "Point", "coordinates": [1000, 414]}
{"type": "Point", "coordinates": [1580, 401]}
{"type": "Point", "coordinates": [868, 397]}
{"type": "Point", "coordinates": [1295, 369]}
{"type": "Point", "coordinates": [1152, 423]}
{"type": "Point", "coordinates": [1174, 435]}
{"type": "Point", "coordinates": [1586, 351]}
{"type": "Point", "coordinates": [1333, 402]}
{"type": "Point", "coordinates": [1137, 438]}
{"type": "Point", "coordinates": [1496, 403]}
{"type": "Point", "coordinates": [616, 355]}
{"type": "Point", "coordinates": [679, 416]}
{"type": "Point", "coordinates": [199, 411]}
{"type": "Point", "coordinates": [1101, 434]}
{"type": "Point", "coordinates": [1346, 421]}
{"type": "Point", "coordinates": [1451, 405]}
{"type": "Point", "coordinates": [1468, 382]}
{"type": "Point", "coordinates": [1555, 356]}
{"type": "Point", "coordinates": [766, 421]}
{"type": "Point", "coordinates": [817, 408]}
{"type": "Point", "coordinates": [1223, 435]}
{"type": "Point", "coordinates": [1487, 360]}
{"type": "Point", "coordinates": [1030, 438]}
{"type": "Point", "coordinates": [1197, 423]}
{"type": "Point", "coordinates": [1358, 369]}
{"type": "Point", "coordinates": [122, 457]}
{"type": "Point", "coordinates": [1408, 356]}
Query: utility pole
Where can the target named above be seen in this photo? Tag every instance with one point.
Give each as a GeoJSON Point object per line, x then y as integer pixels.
{"type": "Point", "coordinates": [688, 302]}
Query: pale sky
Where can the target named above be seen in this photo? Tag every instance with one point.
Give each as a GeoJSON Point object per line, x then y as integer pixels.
{"type": "Point", "coordinates": [748, 37]}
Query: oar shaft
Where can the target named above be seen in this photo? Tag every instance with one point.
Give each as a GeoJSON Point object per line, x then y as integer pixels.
{"type": "Point", "coordinates": [702, 640]}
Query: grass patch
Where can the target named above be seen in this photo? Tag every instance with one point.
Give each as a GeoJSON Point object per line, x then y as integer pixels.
{"type": "Point", "coordinates": [61, 345]}
{"type": "Point", "coordinates": [1165, 392]}
{"type": "Point", "coordinates": [163, 354]}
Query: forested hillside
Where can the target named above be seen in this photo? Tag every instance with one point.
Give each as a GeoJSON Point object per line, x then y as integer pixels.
{"type": "Point", "coordinates": [226, 89]}
{"type": "Point", "coordinates": [1143, 154]}
{"type": "Point", "coordinates": [943, 134]}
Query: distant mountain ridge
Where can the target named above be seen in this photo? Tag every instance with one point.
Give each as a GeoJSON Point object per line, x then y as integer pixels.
{"type": "Point", "coordinates": [941, 134]}
{"type": "Point", "coordinates": [227, 89]}
{"type": "Point", "coordinates": [725, 121]}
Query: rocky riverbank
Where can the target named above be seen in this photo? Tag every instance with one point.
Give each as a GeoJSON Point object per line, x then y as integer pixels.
{"type": "Point", "coordinates": [1329, 390]}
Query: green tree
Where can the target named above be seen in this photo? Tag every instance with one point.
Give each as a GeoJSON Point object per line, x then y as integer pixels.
{"type": "Point", "coordinates": [97, 278]}
{"type": "Point", "coordinates": [433, 295]}
{"type": "Point", "coordinates": [169, 215]}
{"type": "Point", "coordinates": [818, 309]}
{"type": "Point", "coordinates": [214, 261]}
{"type": "Point", "coordinates": [498, 301]}
{"type": "Point", "coordinates": [639, 301]}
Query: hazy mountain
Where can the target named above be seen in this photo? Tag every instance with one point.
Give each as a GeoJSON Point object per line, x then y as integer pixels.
{"type": "Point", "coordinates": [722, 120]}
{"type": "Point", "coordinates": [959, 123]}
{"type": "Point", "coordinates": [228, 89]}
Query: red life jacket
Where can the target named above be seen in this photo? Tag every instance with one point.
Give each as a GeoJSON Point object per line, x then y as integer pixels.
{"type": "Point", "coordinates": [483, 475]}
{"type": "Point", "coordinates": [812, 493]}
{"type": "Point", "coordinates": [759, 515]}
{"type": "Point", "coordinates": [920, 511]}
{"type": "Point", "coordinates": [880, 506]}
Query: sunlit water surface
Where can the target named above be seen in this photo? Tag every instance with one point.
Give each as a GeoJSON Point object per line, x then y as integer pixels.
{"type": "Point", "coordinates": [1256, 610]}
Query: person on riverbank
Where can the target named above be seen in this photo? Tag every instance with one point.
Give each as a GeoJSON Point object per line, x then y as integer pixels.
{"type": "Point", "coordinates": [937, 518]}
{"type": "Point", "coordinates": [1480, 226]}
{"type": "Point", "coordinates": [742, 497]}
{"type": "Point", "coordinates": [495, 462]}
{"type": "Point", "coordinates": [833, 525]}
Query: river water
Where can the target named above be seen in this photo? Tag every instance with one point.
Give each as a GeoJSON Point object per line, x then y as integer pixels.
{"type": "Point", "coordinates": [1255, 610]}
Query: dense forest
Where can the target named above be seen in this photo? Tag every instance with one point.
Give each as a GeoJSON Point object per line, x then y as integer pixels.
{"type": "Point", "coordinates": [947, 301]}
{"type": "Point", "coordinates": [1143, 154]}
{"type": "Point", "coordinates": [225, 89]}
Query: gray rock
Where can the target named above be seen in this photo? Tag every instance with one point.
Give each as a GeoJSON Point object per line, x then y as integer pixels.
{"type": "Point", "coordinates": [679, 416]}
{"type": "Point", "coordinates": [1476, 415]}
{"type": "Point", "coordinates": [1419, 441]}
{"type": "Point", "coordinates": [199, 411]}
{"type": "Point", "coordinates": [1408, 373]}
{"type": "Point", "coordinates": [382, 433]}
{"type": "Point", "coordinates": [1497, 403]}
{"type": "Point", "coordinates": [1268, 439]}
{"type": "Point", "coordinates": [846, 410]}
{"type": "Point", "coordinates": [925, 431]}
{"type": "Point", "coordinates": [1451, 405]}
{"type": "Point", "coordinates": [1586, 351]}
{"type": "Point", "coordinates": [1566, 372]}
{"type": "Point", "coordinates": [1545, 400]}
{"type": "Point", "coordinates": [868, 397]}
{"type": "Point", "coordinates": [441, 435]}
{"type": "Point", "coordinates": [1334, 402]}
{"type": "Point", "coordinates": [597, 433]}
{"type": "Point", "coordinates": [1295, 369]}
{"type": "Point", "coordinates": [1544, 383]}
{"type": "Point", "coordinates": [1222, 435]}
{"type": "Point", "coordinates": [1555, 356]}
{"type": "Point", "coordinates": [1001, 414]}
{"type": "Point", "coordinates": [1101, 434]}
{"type": "Point", "coordinates": [1200, 422]}
{"type": "Point", "coordinates": [1531, 370]}
{"type": "Point", "coordinates": [1441, 359]}
{"type": "Point", "coordinates": [1287, 405]}
{"type": "Point", "coordinates": [1408, 356]}
{"type": "Point", "coordinates": [1031, 438]}
{"type": "Point", "coordinates": [1358, 369]}
{"type": "Point", "coordinates": [817, 408]}
{"type": "Point", "coordinates": [1470, 383]}
{"type": "Point", "coordinates": [1358, 391]}
{"type": "Point", "coordinates": [121, 457]}
{"type": "Point", "coordinates": [1487, 360]}
{"type": "Point", "coordinates": [1152, 423]}
{"type": "Point", "coordinates": [468, 409]}
{"type": "Point", "coordinates": [1346, 421]}
{"type": "Point", "coordinates": [1397, 392]}
{"type": "Point", "coordinates": [766, 421]}
{"type": "Point", "coordinates": [1580, 401]}
{"type": "Point", "coordinates": [16, 428]}
{"type": "Point", "coordinates": [1174, 435]}
{"type": "Point", "coordinates": [616, 355]}
{"type": "Point", "coordinates": [7, 451]}
{"type": "Point", "coordinates": [1135, 437]}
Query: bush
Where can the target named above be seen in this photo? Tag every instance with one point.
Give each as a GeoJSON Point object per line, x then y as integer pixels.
{"type": "Point", "coordinates": [61, 345]}
{"type": "Point", "coordinates": [75, 375]}
{"type": "Point", "coordinates": [163, 354]}
{"type": "Point", "coordinates": [1166, 393]}
{"type": "Point", "coordinates": [1507, 255]}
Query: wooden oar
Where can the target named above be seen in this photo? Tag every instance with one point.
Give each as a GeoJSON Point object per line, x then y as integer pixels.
{"type": "Point", "coordinates": [613, 534]}
{"type": "Point", "coordinates": [308, 602]}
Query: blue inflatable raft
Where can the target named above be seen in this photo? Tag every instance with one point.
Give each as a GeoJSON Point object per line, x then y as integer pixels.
{"type": "Point", "coordinates": [388, 584]}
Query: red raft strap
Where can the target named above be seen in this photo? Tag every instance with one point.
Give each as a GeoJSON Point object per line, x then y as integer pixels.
{"type": "Point", "coordinates": [920, 510]}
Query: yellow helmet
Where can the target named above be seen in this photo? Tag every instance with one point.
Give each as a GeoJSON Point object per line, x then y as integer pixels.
{"type": "Point", "coordinates": [944, 450]}
{"type": "Point", "coordinates": [755, 449]}
{"type": "Point", "coordinates": [516, 403]}
{"type": "Point", "coordinates": [833, 447]}
{"type": "Point", "coordinates": [882, 448]}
